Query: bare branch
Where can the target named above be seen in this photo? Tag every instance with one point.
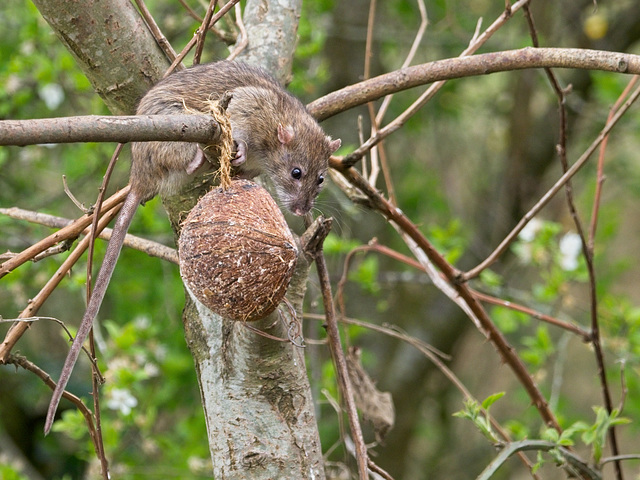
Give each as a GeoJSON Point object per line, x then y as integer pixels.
{"type": "Point", "coordinates": [484, 64]}
{"type": "Point", "coordinates": [201, 34]}
{"type": "Point", "coordinates": [71, 231]}
{"type": "Point", "coordinates": [21, 361]}
{"type": "Point", "coordinates": [121, 129]}
{"type": "Point", "coordinates": [339, 360]}
{"type": "Point", "coordinates": [155, 31]}
{"type": "Point", "coordinates": [151, 248]}
{"type": "Point", "coordinates": [244, 37]}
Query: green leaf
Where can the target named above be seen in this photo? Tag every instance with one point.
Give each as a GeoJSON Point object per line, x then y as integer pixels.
{"type": "Point", "coordinates": [551, 435]}
{"type": "Point", "coordinates": [334, 245]}
{"type": "Point", "coordinates": [491, 278]}
{"type": "Point", "coordinates": [491, 399]}
{"type": "Point", "coordinates": [596, 434]}
{"type": "Point", "coordinates": [366, 275]}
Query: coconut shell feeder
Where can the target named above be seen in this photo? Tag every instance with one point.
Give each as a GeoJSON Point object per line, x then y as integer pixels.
{"type": "Point", "coordinates": [237, 254]}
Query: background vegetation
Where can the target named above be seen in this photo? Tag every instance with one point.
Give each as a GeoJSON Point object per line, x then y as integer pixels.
{"type": "Point", "coordinates": [465, 169]}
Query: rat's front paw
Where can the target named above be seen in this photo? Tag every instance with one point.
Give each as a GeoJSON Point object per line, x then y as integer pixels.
{"type": "Point", "coordinates": [241, 153]}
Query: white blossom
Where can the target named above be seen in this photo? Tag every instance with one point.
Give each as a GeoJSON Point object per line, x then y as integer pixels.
{"type": "Point", "coordinates": [52, 95]}
{"type": "Point", "coordinates": [121, 399]}
{"type": "Point", "coordinates": [151, 369]}
{"type": "Point", "coordinates": [142, 322]}
{"type": "Point", "coordinates": [528, 233]}
{"type": "Point", "coordinates": [570, 249]}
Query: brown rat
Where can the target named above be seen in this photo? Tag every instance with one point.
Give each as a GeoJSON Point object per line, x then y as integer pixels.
{"type": "Point", "coordinates": [274, 136]}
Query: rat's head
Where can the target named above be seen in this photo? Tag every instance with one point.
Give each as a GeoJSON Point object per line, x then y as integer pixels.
{"type": "Point", "coordinates": [301, 169]}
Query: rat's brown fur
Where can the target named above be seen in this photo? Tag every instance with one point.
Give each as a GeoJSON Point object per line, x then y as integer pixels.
{"type": "Point", "coordinates": [258, 106]}
{"type": "Point", "coordinates": [275, 136]}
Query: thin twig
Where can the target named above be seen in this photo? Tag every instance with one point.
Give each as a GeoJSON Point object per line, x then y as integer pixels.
{"type": "Point", "coordinates": [244, 37]}
{"type": "Point", "coordinates": [92, 238]}
{"type": "Point", "coordinates": [368, 53]}
{"type": "Point", "coordinates": [202, 32]}
{"type": "Point", "coordinates": [424, 22]}
{"type": "Point", "coordinates": [191, 11]}
{"type": "Point", "coordinates": [600, 177]}
{"type": "Point", "coordinates": [335, 346]}
{"type": "Point", "coordinates": [52, 251]}
{"type": "Point", "coordinates": [376, 469]}
{"type": "Point", "coordinates": [162, 41]}
{"type": "Point", "coordinates": [95, 388]}
{"type": "Point", "coordinates": [73, 198]}
{"type": "Point", "coordinates": [223, 10]}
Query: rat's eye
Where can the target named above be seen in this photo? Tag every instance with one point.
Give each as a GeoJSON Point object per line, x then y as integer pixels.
{"type": "Point", "coordinates": [320, 179]}
{"type": "Point", "coordinates": [296, 173]}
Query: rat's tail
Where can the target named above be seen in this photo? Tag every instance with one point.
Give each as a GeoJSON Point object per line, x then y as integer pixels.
{"type": "Point", "coordinates": [106, 270]}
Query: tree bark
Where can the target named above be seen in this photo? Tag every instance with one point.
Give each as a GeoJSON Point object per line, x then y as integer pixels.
{"type": "Point", "coordinates": [256, 396]}
{"type": "Point", "coordinates": [112, 46]}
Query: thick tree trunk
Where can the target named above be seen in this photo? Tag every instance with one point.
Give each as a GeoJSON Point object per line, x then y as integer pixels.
{"type": "Point", "coordinates": [256, 397]}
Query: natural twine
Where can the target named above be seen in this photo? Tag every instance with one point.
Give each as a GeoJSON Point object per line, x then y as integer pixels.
{"type": "Point", "coordinates": [224, 146]}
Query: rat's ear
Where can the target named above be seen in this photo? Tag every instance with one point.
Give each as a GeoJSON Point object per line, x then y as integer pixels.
{"type": "Point", "coordinates": [285, 133]}
{"type": "Point", "coordinates": [334, 144]}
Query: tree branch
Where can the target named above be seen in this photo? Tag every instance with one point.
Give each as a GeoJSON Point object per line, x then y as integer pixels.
{"type": "Point", "coordinates": [151, 248]}
{"type": "Point", "coordinates": [484, 64]}
{"type": "Point", "coordinates": [70, 231]}
{"type": "Point", "coordinates": [117, 129]}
